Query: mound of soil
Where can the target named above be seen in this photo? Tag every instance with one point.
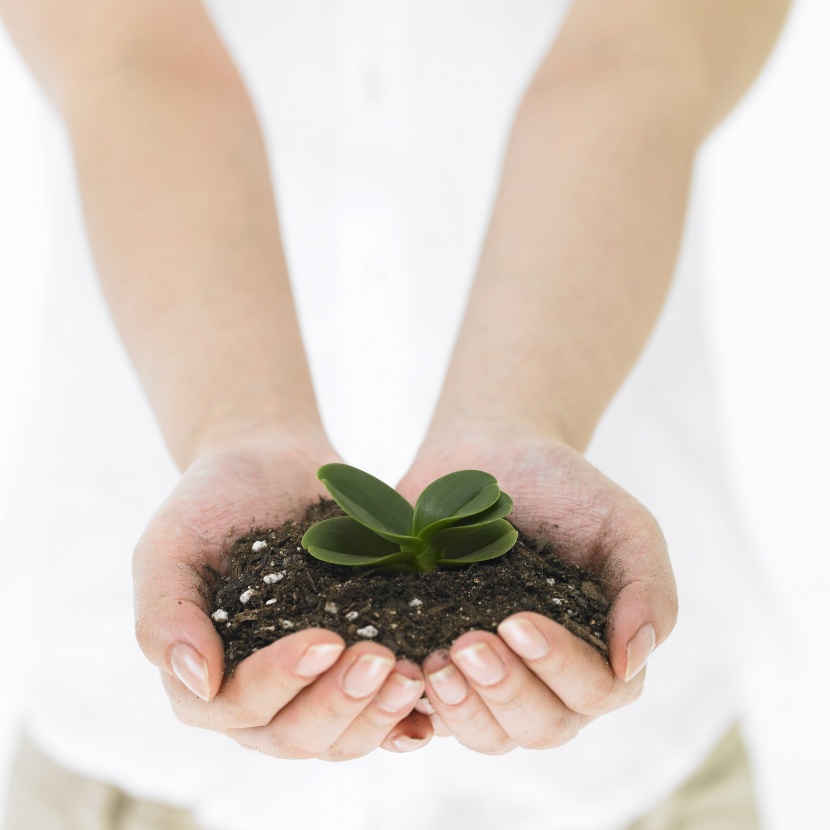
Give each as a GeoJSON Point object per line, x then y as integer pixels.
{"type": "Point", "coordinates": [274, 587]}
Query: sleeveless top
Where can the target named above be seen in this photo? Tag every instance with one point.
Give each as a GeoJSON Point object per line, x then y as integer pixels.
{"type": "Point", "coordinates": [386, 121]}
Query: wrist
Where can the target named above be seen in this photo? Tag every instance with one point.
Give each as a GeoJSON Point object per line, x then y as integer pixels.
{"type": "Point", "coordinates": [468, 427]}
{"type": "Point", "coordinates": [266, 436]}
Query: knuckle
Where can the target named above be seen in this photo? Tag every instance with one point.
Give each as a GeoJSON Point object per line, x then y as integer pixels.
{"type": "Point", "coordinates": [610, 695]}
{"type": "Point", "coordinates": [336, 754]}
{"type": "Point", "coordinates": [505, 697]}
{"type": "Point", "coordinates": [634, 690]}
{"type": "Point", "coordinates": [546, 742]}
{"type": "Point", "coordinates": [336, 710]}
{"type": "Point", "coordinates": [147, 632]}
{"type": "Point", "coordinates": [375, 719]}
{"type": "Point", "coordinates": [599, 698]}
{"type": "Point", "coordinates": [495, 751]}
{"type": "Point", "coordinates": [562, 731]}
{"type": "Point", "coordinates": [275, 744]}
{"type": "Point", "coordinates": [496, 746]}
{"type": "Point", "coordinates": [184, 714]}
{"type": "Point", "coordinates": [239, 717]}
{"type": "Point", "coordinates": [557, 663]}
{"type": "Point", "coordinates": [539, 742]}
{"type": "Point", "coordinates": [185, 707]}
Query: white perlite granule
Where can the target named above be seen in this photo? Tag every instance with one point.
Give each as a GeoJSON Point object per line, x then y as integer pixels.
{"type": "Point", "coordinates": [369, 631]}
{"type": "Point", "coordinates": [246, 595]}
{"type": "Point", "coordinates": [287, 624]}
{"type": "Point", "coordinates": [331, 608]}
{"type": "Point", "coordinates": [550, 580]}
{"type": "Point", "coordinates": [220, 615]}
{"type": "Point", "coordinates": [556, 601]}
{"type": "Point", "coordinates": [258, 546]}
{"type": "Point", "coordinates": [351, 616]}
{"type": "Point", "coordinates": [416, 603]}
{"type": "Point", "coordinates": [270, 602]}
{"type": "Point", "coordinates": [272, 579]}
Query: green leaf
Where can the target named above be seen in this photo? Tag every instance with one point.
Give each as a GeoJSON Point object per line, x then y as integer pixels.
{"type": "Point", "coordinates": [462, 545]}
{"type": "Point", "coordinates": [453, 497]}
{"type": "Point", "coordinates": [371, 502]}
{"type": "Point", "coordinates": [344, 541]}
{"type": "Point", "coordinates": [497, 511]}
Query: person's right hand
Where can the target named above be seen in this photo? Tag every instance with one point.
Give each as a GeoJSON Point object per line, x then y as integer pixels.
{"type": "Point", "coordinates": [304, 696]}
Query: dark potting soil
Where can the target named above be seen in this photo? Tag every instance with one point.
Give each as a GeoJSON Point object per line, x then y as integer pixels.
{"type": "Point", "coordinates": [279, 588]}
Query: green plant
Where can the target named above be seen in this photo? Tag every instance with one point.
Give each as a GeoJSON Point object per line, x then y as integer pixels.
{"type": "Point", "coordinates": [458, 519]}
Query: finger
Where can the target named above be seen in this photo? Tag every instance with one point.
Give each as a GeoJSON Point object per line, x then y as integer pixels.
{"type": "Point", "coordinates": [322, 712]}
{"type": "Point", "coordinates": [525, 708]}
{"type": "Point", "coordinates": [172, 625]}
{"type": "Point", "coordinates": [575, 671]}
{"type": "Point", "coordinates": [424, 706]}
{"type": "Point", "coordinates": [639, 576]}
{"type": "Point", "coordinates": [633, 633]}
{"type": "Point", "coordinates": [460, 708]}
{"type": "Point", "coordinates": [395, 700]}
{"type": "Point", "coordinates": [439, 728]}
{"type": "Point", "coordinates": [413, 732]}
{"type": "Point", "coordinates": [262, 683]}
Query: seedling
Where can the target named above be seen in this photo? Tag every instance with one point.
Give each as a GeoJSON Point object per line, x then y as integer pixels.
{"type": "Point", "coordinates": [458, 519]}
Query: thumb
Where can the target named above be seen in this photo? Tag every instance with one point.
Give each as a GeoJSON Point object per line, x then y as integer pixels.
{"type": "Point", "coordinates": [172, 621]}
{"type": "Point", "coordinates": [644, 610]}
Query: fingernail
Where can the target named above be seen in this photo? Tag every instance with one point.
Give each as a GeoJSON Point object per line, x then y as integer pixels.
{"type": "Point", "coordinates": [481, 663]}
{"type": "Point", "coordinates": [449, 685]}
{"type": "Point", "coordinates": [640, 647]}
{"type": "Point", "coordinates": [424, 707]}
{"type": "Point", "coordinates": [406, 743]}
{"type": "Point", "coordinates": [366, 675]}
{"type": "Point", "coordinates": [398, 691]}
{"type": "Point", "coordinates": [191, 668]}
{"type": "Point", "coordinates": [524, 638]}
{"type": "Point", "coordinates": [316, 659]}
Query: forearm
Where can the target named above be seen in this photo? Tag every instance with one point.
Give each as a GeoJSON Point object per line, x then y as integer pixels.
{"type": "Point", "coordinates": [589, 216]}
{"type": "Point", "coordinates": [181, 218]}
{"type": "Point", "coordinates": [578, 256]}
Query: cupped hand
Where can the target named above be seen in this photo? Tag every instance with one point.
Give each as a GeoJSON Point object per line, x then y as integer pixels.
{"type": "Point", "coordinates": [304, 696]}
{"type": "Point", "coordinates": [535, 685]}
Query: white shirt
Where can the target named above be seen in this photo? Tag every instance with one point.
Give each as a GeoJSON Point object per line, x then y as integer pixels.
{"type": "Point", "coordinates": [386, 121]}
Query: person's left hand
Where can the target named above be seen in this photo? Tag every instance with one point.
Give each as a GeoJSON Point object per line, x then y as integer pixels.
{"type": "Point", "coordinates": [535, 685]}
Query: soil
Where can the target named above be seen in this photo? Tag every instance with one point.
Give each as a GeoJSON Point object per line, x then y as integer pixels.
{"type": "Point", "coordinates": [279, 589]}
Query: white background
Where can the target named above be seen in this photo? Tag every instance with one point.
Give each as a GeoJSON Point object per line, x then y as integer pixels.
{"type": "Point", "coordinates": [766, 174]}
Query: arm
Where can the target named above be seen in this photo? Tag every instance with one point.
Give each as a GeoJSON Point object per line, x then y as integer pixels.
{"type": "Point", "coordinates": [181, 218]}
{"type": "Point", "coordinates": [589, 216]}
{"type": "Point", "coordinates": [179, 210]}
{"type": "Point", "coordinates": [581, 248]}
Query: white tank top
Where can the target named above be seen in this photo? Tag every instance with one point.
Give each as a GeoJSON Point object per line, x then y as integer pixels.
{"type": "Point", "coordinates": [386, 121]}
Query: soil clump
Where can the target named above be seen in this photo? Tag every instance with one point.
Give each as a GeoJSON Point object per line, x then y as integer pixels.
{"type": "Point", "coordinates": [277, 588]}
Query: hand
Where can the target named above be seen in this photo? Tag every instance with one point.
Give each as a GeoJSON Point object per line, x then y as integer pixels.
{"type": "Point", "coordinates": [535, 685]}
{"type": "Point", "coordinates": [303, 696]}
